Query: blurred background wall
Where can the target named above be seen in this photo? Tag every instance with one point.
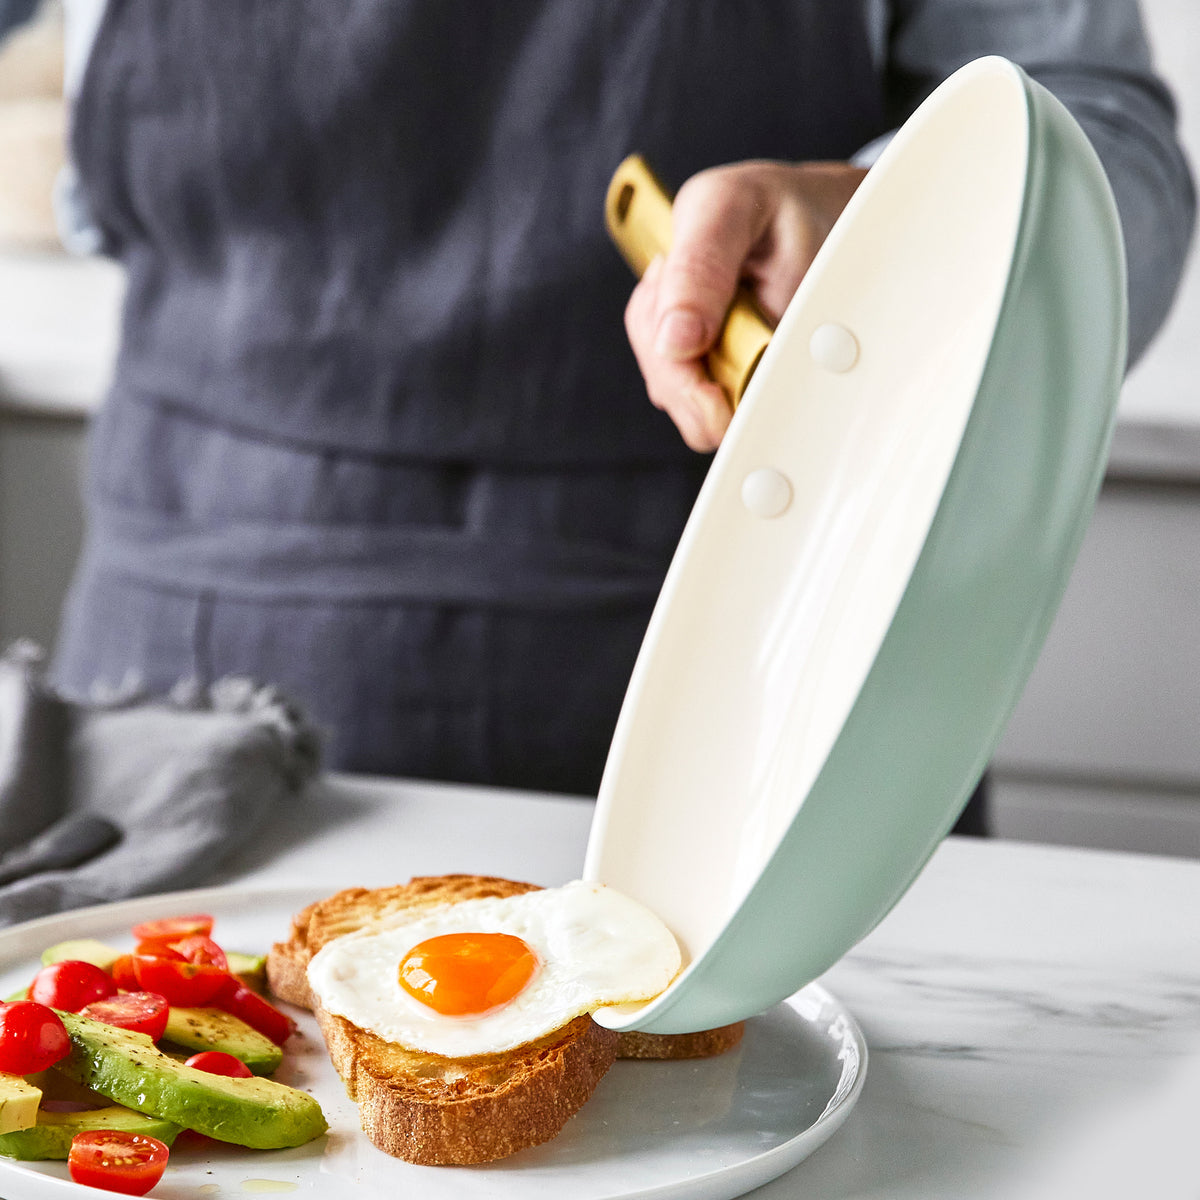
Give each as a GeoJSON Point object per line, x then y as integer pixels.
{"type": "Point", "coordinates": [1104, 748]}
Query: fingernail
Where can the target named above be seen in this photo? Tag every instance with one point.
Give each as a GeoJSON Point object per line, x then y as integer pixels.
{"type": "Point", "coordinates": [680, 335]}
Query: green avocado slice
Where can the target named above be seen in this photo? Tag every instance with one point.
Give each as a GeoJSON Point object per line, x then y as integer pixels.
{"type": "Point", "coordinates": [198, 1029]}
{"type": "Point", "coordinates": [128, 1068]}
{"type": "Point", "coordinates": [51, 1136]}
{"type": "Point", "coordinates": [85, 949]}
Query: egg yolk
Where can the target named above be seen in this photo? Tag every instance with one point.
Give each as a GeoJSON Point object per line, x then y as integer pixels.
{"type": "Point", "coordinates": [465, 974]}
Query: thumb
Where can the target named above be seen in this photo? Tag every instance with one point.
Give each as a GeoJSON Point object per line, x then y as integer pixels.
{"type": "Point", "coordinates": [716, 222]}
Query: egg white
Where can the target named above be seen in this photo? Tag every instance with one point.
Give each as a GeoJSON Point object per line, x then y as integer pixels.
{"type": "Point", "coordinates": [594, 946]}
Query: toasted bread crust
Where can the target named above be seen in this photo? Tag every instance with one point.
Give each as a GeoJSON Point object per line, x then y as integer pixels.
{"type": "Point", "coordinates": [421, 1107]}
{"type": "Point", "coordinates": [704, 1044]}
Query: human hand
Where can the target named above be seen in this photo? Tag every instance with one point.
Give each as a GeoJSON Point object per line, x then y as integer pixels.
{"type": "Point", "coordinates": [754, 223]}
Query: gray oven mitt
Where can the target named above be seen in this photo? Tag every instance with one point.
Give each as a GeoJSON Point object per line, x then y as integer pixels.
{"type": "Point", "coordinates": [103, 801]}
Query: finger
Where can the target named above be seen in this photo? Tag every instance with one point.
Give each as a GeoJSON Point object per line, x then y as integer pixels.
{"type": "Point", "coordinates": [683, 390]}
{"type": "Point", "coordinates": [696, 405]}
{"type": "Point", "coordinates": [717, 218]}
{"type": "Point", "coordinates": [708, 415]}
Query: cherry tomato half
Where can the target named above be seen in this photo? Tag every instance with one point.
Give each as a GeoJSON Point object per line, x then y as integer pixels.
{"type": "Point", "coordinates": [32, 1037]}
{"type": "Point", "coordinates": [143, 1012]}
{"type": "Point", "coordinates": [71, 984]}
{"type": "Point", "coordinates": [159, 950]}
{"type": "Point", "coordinates": [181, 983]}
{"type": "Point", "coordinates": [201, 949]}
{"type": "Point", "coordinates": [122, 973]}
{"type": "Point", "coordinates": [217, 1062]}
{"type": "Point", "coordinates": [258, 1013]}
{"type": "Point", "coordinates": [174, 929]}
{"type": "Point", "coordinates": [129, 1163]}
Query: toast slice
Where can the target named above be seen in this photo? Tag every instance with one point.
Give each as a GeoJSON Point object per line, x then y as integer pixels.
{"type": "Point", "coordinates": [704, 1044]}
{"type": "Point", "coordinates": [422, 1107]}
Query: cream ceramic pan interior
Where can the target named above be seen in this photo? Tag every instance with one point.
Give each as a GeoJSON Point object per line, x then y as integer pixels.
{"type": "Point", "coordinates": [876, 555]}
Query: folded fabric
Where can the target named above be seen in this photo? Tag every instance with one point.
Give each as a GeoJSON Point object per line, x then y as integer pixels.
{"type": "Point", "coordinates": [101, 801]}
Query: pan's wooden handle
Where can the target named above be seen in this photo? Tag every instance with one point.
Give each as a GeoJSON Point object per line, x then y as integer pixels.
{"type": "Point", "coordinates": [637, 211]}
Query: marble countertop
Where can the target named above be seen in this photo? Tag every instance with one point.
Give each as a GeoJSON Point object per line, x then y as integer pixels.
{"type": "Point", "coordinates": [1032, 1013]}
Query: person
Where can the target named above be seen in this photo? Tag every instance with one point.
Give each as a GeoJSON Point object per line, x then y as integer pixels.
{"type": "Point", "coordinates": [378, 429]}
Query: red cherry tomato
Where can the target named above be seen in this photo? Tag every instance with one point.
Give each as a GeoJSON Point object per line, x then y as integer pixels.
{"type": "Point", "coordinates": [217, 1062]}
{"type": "Point", "coordinates": [174, 929]}
{"type": "Point", "coordinates": [258, 1013]}
{"type": "Point", "coordinates": [181, 983]}
{"type": "Point", "coordinates": [142, 1012]}
{"type": "Point", "coordinates": [32, 1037]}
{"type": "Point", "coordinates": [129, 1163]}
{"type": "Point", "coordinates": [201, 949]}
{"type": "Point", "coordinates": [159, 950]}
{"type": "Point", "coordinates": [71, 984]}
{"type": "Point", "coordinates": [122, 973]}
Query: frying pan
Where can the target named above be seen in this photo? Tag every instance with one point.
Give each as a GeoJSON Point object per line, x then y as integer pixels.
{"type": "Point", "coordinates": [877, 552]}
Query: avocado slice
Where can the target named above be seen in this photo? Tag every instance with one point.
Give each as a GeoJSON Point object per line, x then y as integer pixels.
{"type": "Point", "coordinates": [251, 969]}
{"type": "Point", "coordinates": [19, 1101]}
{"type": "Point", "coordinates": [128, 1068]}
{"type": "Point", "coordinates": [84, 950]}
{"type": "Point", "coordinates": [51, 1136]}
{"type": "Point", "coordinates": [212, 1029]}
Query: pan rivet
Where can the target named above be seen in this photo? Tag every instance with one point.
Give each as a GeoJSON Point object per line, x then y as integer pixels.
{"type": "Point", "coordinates": [833, 347]}
{"type": "Point", "coordinates": [766, 492]}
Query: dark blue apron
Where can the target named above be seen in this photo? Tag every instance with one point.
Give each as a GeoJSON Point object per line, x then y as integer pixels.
{"type": "Point", "coordinates": [375, 433]}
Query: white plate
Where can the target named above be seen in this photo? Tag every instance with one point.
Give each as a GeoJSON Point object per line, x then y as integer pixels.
{"type": "Point", "coordinates": [706, 1130]}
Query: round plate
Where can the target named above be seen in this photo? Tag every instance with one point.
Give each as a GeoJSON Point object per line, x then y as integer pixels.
{"type": "Point", "coordinates": [707, 1130]}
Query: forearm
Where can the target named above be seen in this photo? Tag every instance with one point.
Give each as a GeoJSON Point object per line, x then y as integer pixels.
{"type": "Point", "coordinates": [1132, 132]}
{"type": "Point", "coordinates": [1093, 55]}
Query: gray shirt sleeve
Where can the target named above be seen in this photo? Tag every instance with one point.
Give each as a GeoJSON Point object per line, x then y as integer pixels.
{"type": "Point", "coordinates": [1093, 55]}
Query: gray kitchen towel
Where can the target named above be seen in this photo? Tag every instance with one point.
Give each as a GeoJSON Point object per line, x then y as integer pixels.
{"type": "Point", "coordinates": [132, 795]}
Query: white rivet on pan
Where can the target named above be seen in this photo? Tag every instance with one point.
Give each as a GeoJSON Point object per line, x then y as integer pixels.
{"type": "Point", "coordinates": [766, 492]}
{"type": "Point", "coordinates": [833, 347]}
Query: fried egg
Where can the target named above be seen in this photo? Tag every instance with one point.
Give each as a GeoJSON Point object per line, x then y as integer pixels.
{"type": "Point", "coordinates": [485, 976]}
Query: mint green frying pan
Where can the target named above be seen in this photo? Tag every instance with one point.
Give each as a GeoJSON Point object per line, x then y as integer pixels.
{"type": "Point", "coordinates": [876, 556]}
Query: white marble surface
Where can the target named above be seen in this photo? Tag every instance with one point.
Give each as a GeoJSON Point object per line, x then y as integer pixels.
{"type": "Point", "coordinates": [1032, 1013]}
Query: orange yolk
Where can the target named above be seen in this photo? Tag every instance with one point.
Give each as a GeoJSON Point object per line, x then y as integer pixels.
{"type": "Point", "coordinates": [465, 974]}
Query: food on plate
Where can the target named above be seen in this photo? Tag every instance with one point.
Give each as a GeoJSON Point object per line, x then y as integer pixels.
{"type": "Point", "coordinates": [143, 1012]}
{"type": "Point", "coordinates": [168, 930]}
{"type": "Point", "coordinates": [491, 973]}
{"type": "Point", "coordinates": [71, 984]}
{"type": "Point", "coordinates": [105, 1073]}
{"type": "Point", "coordinates": [217, 1062]}
{"type": "Point", "coordinates": [32, 1037]}
{"type": "Point", "coordinates": [84, 949]}
{"type": "Point", "coordinates": [456, 1010]}
{"type": "Point", "coordinates": [128, 1068]}
{"type": "Point", "coordinates": [705, 1043]}
{"type": "Point", "coordinates": [425, 1107]}
{"type": "Point", "coordinates": [19, 1102]}
{"type": "Point", "coordinates": [177, 980]}
{"type": "Point", "coordinates": [458, 1045]}
{"type": "Point", "coordinates": [54, 1132]}
{"type": "Point", "coordinates": [201, 1029]}
{"type": "Point", "coordinates": [247, 1005]}
{"type": "Point", "coordinates": [129, 1163]}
